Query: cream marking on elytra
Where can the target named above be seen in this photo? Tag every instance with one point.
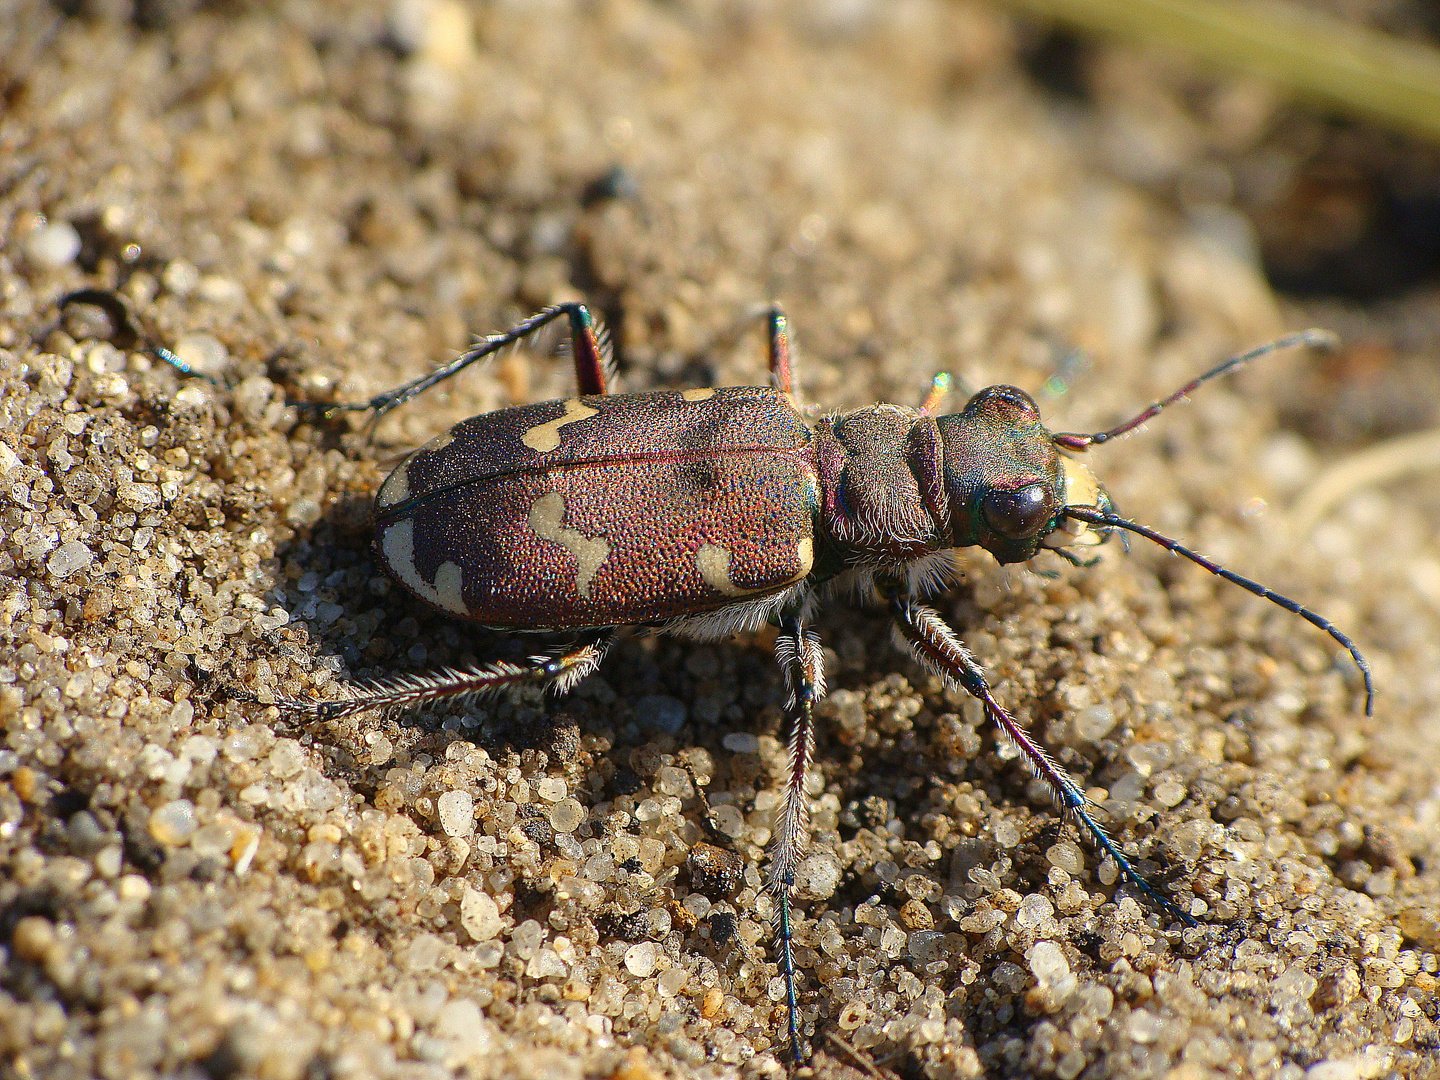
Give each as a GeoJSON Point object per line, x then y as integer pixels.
{"type": "Point", "coordinates": [450, 587]}
{"type": "Point", "coordinates": [805, 549]}
{"type": "Point", "coordinates": [446, 592]}
{"type": "Point", "coordinates": [542, 438]}
{"type": "Point", "coordinates": [439, 442]}
{"type": "Point", "coordinates": [396, 488]}
{"type": "Point", "coordinates": [699, 394]}
{"type": "Point", "coordinates": [547, 517]}
{"type": "Point", "coordinates": [714, 565]}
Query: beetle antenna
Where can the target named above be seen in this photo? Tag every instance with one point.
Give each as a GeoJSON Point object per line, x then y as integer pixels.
{"type": "Point", "coordinates": [1319, 339]}
{"type": "Point", "coordinates": [1093, 516]}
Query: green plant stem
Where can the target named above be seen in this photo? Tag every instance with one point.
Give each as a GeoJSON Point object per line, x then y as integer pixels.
{"type": "Point", "coordinates": [1349, 68]}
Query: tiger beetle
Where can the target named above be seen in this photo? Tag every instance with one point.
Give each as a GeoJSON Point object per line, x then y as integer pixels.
{"type": "Point", "coordinates": [714, 511]}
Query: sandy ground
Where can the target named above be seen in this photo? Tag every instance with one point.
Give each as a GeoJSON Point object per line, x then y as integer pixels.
{"type": "Point", "coordinates": [323, 202]}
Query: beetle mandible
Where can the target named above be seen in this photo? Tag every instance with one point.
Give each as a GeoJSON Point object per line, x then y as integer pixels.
{"type": "Point", "coordinates": [710, 512]}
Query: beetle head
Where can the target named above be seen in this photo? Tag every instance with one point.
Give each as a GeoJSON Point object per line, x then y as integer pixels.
{"type": "Point", "coordinates": [1007, 484]}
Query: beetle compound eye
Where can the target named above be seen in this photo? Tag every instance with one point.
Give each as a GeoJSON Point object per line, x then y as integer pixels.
{"type": "Point", "coordinates": [1007, 404]}
{"type": "Point", "coordinates": [1017, 515]}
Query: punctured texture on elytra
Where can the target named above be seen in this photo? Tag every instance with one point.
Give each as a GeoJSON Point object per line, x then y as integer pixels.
{"type": "Point", "coordinates": [609, 510]}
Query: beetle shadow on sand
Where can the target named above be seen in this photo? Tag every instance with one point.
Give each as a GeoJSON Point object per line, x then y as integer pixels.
{"type": "Point", "coordinates": [348, 616]}
{"type": "Point", "coordinates": [655, 703]}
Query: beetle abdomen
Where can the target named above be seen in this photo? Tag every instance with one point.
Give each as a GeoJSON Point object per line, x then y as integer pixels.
{"type": "Point", "coordinates": [604, 511]}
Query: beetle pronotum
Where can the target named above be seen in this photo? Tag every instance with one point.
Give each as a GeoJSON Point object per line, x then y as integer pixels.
{"type": "Point", "coordinates": [708, 512]}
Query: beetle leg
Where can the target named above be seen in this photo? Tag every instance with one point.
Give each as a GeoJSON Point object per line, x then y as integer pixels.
{"type": "Point", "coordinates": [590, 349]}
{"type": "Point", "coordinates": [798, 651]}
{"type": "Point", "coordinates": [1075, 560]}
{"type": "Point", "coordinates": [939, 390]}
{"type": "Point", "coordinates": [938, 647]}
{"type": "Point", "coordinates": [589, 343]}
{"type": "Point", "coordinates": [558, 673]}
{"type": "Point", "coordinates": [780, 374]}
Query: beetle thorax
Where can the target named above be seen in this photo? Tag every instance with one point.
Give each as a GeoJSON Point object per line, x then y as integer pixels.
{"type": "Point", "coordinates": [883, 500]}
{"type": "Point", "coordinates": [900, 486]}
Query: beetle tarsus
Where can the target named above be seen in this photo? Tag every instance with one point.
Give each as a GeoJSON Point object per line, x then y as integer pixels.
{"type": "Point", "coordinates": [786, 962]}
{"type": "Point", "coordinates": [1075, 560]}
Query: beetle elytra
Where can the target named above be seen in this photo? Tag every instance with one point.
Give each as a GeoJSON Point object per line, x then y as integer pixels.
{"type": "Point", "coordinates": [707, 512]}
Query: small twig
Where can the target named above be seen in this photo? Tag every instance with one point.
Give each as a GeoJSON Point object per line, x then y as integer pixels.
{"type": "Point", "coordinates": [862, 1061]}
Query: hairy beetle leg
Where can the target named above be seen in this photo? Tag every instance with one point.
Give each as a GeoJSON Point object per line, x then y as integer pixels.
{"type": "Point", "coordinates": [940, 649]}
{"type": "Point", "coordinates": [803, 664]}
{"type": "Point", "coordinates": [558, 673]}
{"type": "Point", "coordinates": [589, 346]}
